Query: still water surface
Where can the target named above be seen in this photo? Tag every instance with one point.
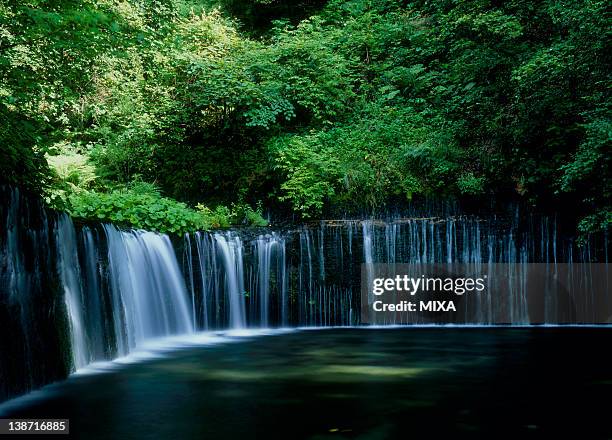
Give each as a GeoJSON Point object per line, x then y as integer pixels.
{"type": "Point", "coordinates": [352, 383]}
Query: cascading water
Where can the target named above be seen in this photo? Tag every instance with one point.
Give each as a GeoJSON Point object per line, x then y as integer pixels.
{"type": "Point", "coordinates": [208, 271]}
{"type": "Point", "coordinates": [150, 298]}
{"type": "Point", "coordinates": [32, 318]}
{"type": "Point", "coordinates": [368, 252]}
{"type": "Point", "coordinates": [270, 258]}
{"type": "Point", "coordinates": [264, 259]}
{"type": "Point", "coordinates": [189, 261]}
{"type": "Point", "coordinates": [71, 280]}
{"type": "Point", "coordinates": [230, 248]}
{"type": "Point", "coordinates": [98, 292]}
{"type": "Point", "coordinates": [95, 301]}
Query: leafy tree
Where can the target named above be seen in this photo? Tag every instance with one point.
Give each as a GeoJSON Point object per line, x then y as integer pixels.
{"type": "Point", "coordinates": [307, 105]}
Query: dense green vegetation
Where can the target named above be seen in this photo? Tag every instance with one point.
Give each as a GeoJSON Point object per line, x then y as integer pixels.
{"type": "Point", "coordinates": [145, 208]}
{"type": "Point", "coordinates": [305, 106]}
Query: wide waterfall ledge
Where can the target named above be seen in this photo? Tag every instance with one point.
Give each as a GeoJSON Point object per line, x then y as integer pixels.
{"type": "Point", "coordinates": [76, 295]}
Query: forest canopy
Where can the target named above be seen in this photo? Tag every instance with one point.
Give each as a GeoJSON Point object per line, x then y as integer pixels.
{"type": "Point", "coordinates": [304, 106]}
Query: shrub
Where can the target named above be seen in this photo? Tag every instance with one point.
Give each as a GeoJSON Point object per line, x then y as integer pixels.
{"type": "Point", "coordinates": [141, 206]}
{"type": "Point", "coordinates": [137, 210]}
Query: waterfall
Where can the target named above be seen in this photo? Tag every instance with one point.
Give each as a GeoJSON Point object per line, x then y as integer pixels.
{"type": "Point", "coordinates": [13, 270]}
{"type": "Point", "coordinates": [236, 283]}
{"type": "Point", "coordinates": [263, 247]}
{"type": "Point", "coordinates": [33, 321]}
{"type": "Point", "coordinates": [74, 294]}
{"type": "Point", "coordinates": [97, 331]}
{"type": "Point", "coordinates": [368, 257]}
{"type": "Point", "coordinates": [150, 298]}
{"type": "Point", "coordinates": [208, 286]}
{"type": "Point", "coordinates": [283, 280]}
{"type": "Point", "coordinates": [230, 247]}
{"type": "Point", "coordinates": [188, 253]}
{"type": "Point", "coordinates": [270, 280]}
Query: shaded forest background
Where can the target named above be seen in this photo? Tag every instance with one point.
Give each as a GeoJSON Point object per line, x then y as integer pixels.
{"type": "Point", "coordinates": [176, 115]}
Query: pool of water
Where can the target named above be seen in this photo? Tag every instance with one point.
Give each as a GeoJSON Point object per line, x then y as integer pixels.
{"type": "Point", "coordinates": [351, 383]}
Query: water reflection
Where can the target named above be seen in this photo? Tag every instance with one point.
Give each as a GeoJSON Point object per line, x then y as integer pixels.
{"type": "Point", "coordinates": [352, 383]}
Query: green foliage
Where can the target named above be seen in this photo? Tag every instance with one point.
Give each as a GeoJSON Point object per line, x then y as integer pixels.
{"type": "Point", "coordinates": [310, 176]}
{"type": "Point", "coordinates": [243, 214]}
{"type": "Point", "coordinates": [46, 51]}
{"type": "Point", "coordinates": [70, 173]}
{"type": "Point", "coordinates": [220, 217]}
{"type": "Point", "coordinates": [354, 105]}
{"type": "Point", "coordinates": [470, 184]}
{"type": "Point", "coordinates": [239, 214]}
{"type": "Point", "coordinates": [598, 222]}
{"type": "Point", "coordinates": [22, 165]}
{"type": "Point", "coordinates": [591, 162]}
{"type": "Point", "coordinates": [142, 207]}
{"type": "Point", "coordinates": [141, 211]}
{"type": "Point", "coordinates": [384, 152]}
